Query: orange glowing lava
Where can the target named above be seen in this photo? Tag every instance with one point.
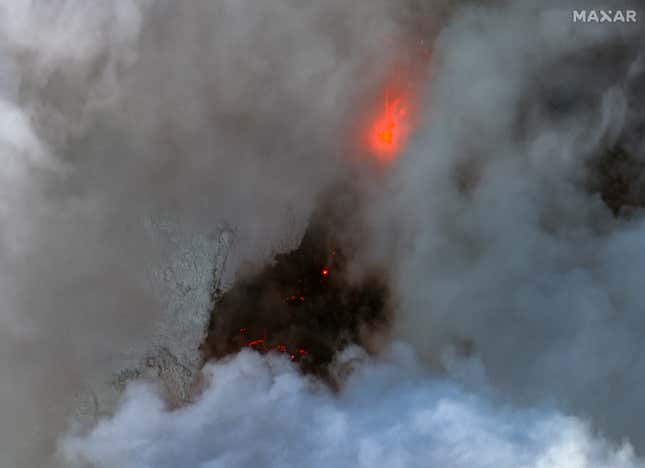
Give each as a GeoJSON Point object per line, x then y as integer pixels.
{"type": "Point", "coordinates": [390, 128]}
{"type": "Point", "coordinates": [394, 116]}
{"type": "Point", "coordinates": [260, 345]}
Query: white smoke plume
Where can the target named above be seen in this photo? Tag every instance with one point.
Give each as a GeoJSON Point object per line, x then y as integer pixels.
{"type": "Point", "coordinates": [511, 274]}
{"type": "Point", "coordinates": [391, 414]}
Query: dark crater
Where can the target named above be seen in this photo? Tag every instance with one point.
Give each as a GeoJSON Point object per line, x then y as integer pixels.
{"type": "Point", "coordinates": [304, 304]}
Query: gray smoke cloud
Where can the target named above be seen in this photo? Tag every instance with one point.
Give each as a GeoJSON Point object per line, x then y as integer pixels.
{"type": "Point", "coordinates": [512, 275]}
{"type": "Point", "coordinates": [207, 114]}
{"type": "Point", "coordinates": [508, 256]}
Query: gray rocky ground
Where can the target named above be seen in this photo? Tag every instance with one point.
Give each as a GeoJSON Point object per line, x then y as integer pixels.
{"type": "Point", "coordinates": [184, 281]}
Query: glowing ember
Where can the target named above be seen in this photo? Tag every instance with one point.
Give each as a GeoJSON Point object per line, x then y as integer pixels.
{"type": "Point", "coordinates": [325, 272]}
{"type": "Point", "coordinates": [261, 345]}
{"type": "Point", "coordinates": [294, 300]}
{"type": "Point", "coordinates": [390, 130]}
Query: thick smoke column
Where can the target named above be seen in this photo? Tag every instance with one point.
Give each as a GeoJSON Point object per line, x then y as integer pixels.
{"type": "Point", "coordinates": [517, 252]}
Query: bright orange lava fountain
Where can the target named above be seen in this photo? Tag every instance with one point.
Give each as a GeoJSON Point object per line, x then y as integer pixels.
{"type": "Point", "coordinates": [390, 128]}
{"type": "Point", "coordinates": [389, 125]}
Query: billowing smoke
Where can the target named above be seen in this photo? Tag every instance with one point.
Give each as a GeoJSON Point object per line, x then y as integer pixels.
{"type": "Point", "coordinates": [523, 210]}
{"type": "Point", "coordinates": [133, 134]}
{"type": "Point", "coordinates": [149, 146]}
{"type": "Point", "coordinates": [391, 414]}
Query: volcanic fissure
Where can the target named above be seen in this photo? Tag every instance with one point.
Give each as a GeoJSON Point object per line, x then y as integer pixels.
{"type": "Point", "coordinates": [304, 304]}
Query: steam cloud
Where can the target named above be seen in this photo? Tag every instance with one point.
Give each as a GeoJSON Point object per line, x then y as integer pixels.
{"type": "Point", "coordinates": [513, 276]}
{"type": "Point", "coordinates": [391, 414]}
